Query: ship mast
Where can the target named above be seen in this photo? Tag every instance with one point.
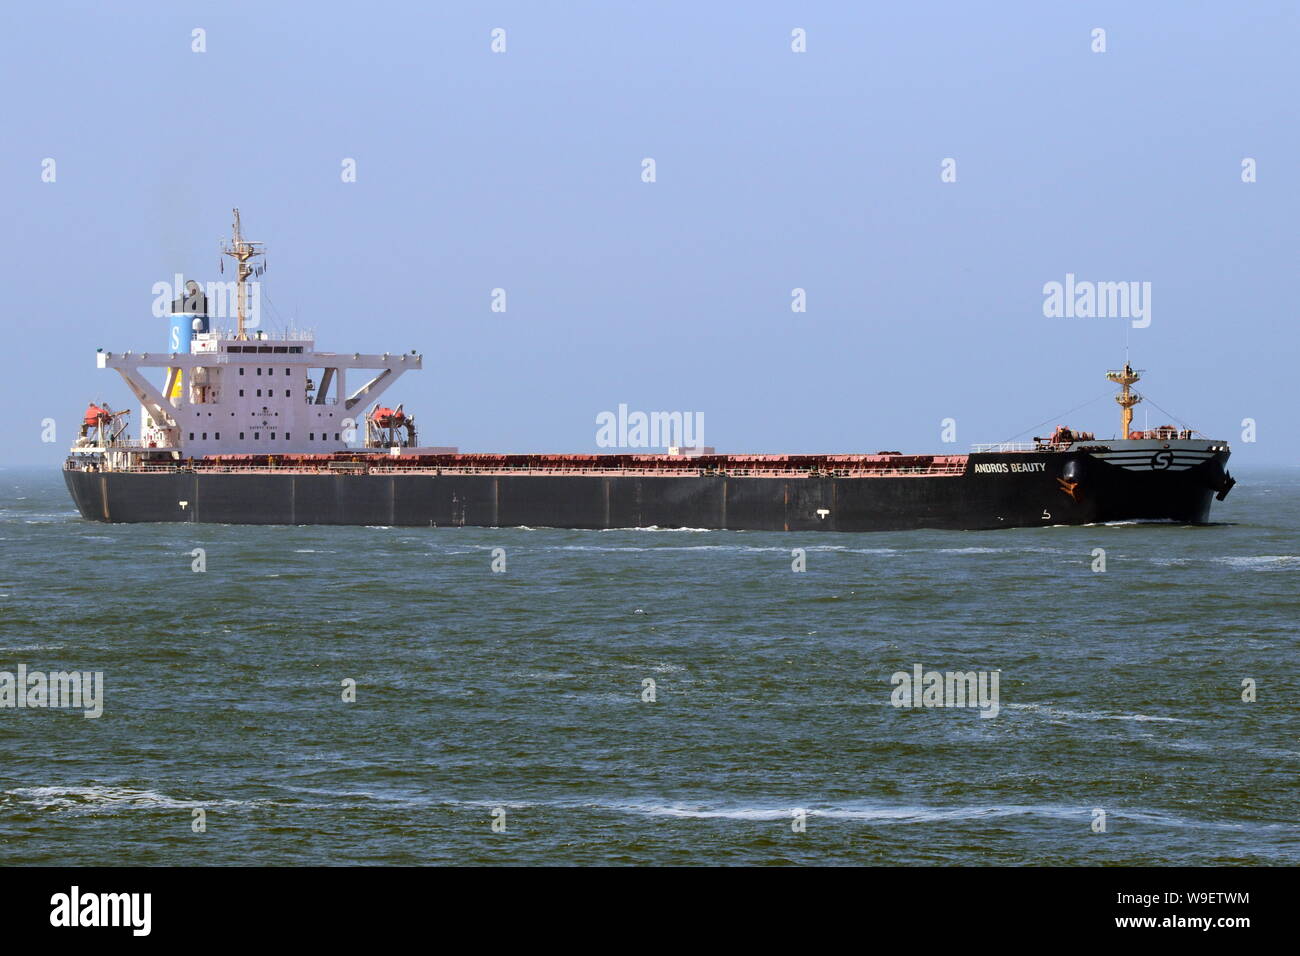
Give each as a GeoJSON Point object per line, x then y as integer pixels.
{"type": "Point", "coordinates": [1126, 398]}
{"type": "Point", "coordinates": [241, 250]}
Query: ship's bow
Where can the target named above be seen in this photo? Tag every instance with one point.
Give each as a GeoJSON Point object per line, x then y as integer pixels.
{"type": "Point", "coordinates": [1174, 480]}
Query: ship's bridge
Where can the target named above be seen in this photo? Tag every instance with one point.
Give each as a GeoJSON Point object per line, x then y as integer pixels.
{"type": "Point", "coordinates": [282, 342]}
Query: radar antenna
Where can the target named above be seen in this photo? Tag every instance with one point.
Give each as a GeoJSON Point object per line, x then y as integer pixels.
{"type": "Point", "coordinates": [1126, 398]}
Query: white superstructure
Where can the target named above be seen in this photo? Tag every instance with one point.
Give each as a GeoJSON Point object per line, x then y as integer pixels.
{"type": "Point", "coordinates": [236, 391]}
{"type": "Point", "coordinates": [265, 394]}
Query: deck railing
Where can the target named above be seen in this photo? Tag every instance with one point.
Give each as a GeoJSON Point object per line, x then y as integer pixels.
{"type": "Point", "coordinates": [361, 468]}
{"type": "Point", "coordinates": [125, 443]}
{"type": "Point", "coordinates": [1003, 446]}
{"type": "Point", "coordinates": [253, 336]}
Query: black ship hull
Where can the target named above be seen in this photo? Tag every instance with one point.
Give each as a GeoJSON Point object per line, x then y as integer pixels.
{"type": "Point", "coordinates": [1000, 490]}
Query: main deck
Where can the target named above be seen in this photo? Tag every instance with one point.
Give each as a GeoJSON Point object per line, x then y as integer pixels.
{"type": "Point", "coordinates": [664, 466]}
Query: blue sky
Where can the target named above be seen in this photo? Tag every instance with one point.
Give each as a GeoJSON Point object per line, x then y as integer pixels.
{"type": "Point", "coordinates": [775, 170]}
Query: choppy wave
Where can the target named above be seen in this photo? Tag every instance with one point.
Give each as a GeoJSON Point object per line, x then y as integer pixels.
{"type": "Point", "coordinates": [105, 798]}
{"type": "Point", "coordinates": [737, 548]}
{"type": "Point", "coordinates": [1093, 714]}
{"type": "Point", "coordinates": [1262, 561]}
{"type": "Point", "coordinates": [864, 814]}
{"type": "Point", "coordinates": [856, 812]}
{"type": "Point", "coordinates": [655, 527]}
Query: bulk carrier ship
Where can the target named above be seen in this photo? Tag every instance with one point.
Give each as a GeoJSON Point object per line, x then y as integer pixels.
{"type": "Point", "coordinates": [252, 427]}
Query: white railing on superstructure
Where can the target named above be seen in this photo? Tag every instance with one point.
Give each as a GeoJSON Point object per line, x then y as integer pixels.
{"type": "Point", "coordinates": [1008, 446]}
{"type": "Point", "coordinates": [124, 443]}
{"type": "Point", "coordinates": [262, 335]}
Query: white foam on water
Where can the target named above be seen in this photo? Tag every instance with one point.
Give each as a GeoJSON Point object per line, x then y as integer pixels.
{"type": "Point", "coordinates": [854, 812]}
{"type": "Point", "coordinates": [1261, 561]}
{"type": "Point", "coordinates": [592, 547]}
{"type": "Point", "coordinates": [1127, 524]}
{"type": "Point", "coordinates": [395, 798]}
{"type": "Point", "coordinates": [738, 548]}
{"type": "Point", "coordinates": [607, 698]}
{"type": "Point", "coordinates": [911, 814]}
{"type": "Point", "coordinates": [543, 675]}
{"type": "Point", "coordinates": [1093, 714]}
{"type": "Point", "coordinates": [859, 813]}
{"type": "Point", "coordinates": [655, 527]}
{"type": "Point", "coordinates": [95, 798]}
{"type": "Point", "coordinates": [985, 550]}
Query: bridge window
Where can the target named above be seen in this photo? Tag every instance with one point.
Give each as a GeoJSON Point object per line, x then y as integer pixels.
{"type": "Point", "coordinates": [259, 370]}
{"type": "Point", "coordinates": [257, 436]}
{"type": "Point", "coordinates": [241, 393]}
{"type": "Point", "coordinates": [205, 436]}
{"type": "Point", "coordinates": [241, 371]}
{"type": "Point", "coordinates": [288, 437]}
{"type": "Point", "coordinates": [241, 436]}
{"type": "Point", "coordinates": [272, 436]}
{"type": "Point", "coordinates": [311, 436]}
{"type": "Point", "coordinates": [191, 436]}
{"type": "Point", "coordinates": [218, 436]}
